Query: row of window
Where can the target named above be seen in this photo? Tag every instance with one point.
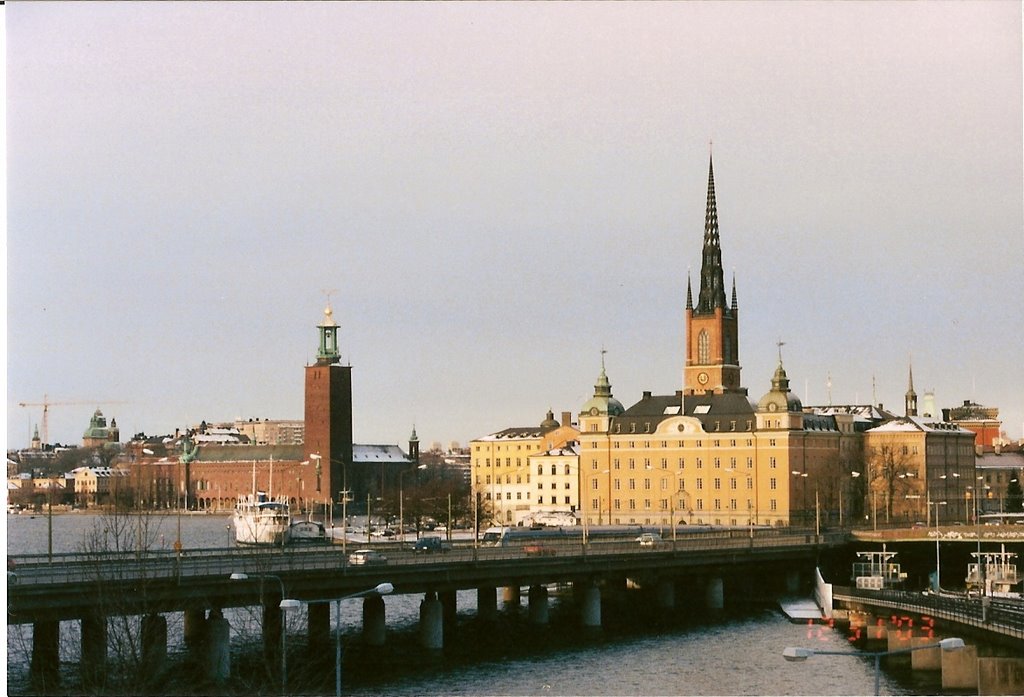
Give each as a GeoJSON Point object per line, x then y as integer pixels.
{"type": "Point", "coordinates": [716, 504]}
{"type": "Point", "coordinates": [681, 463]}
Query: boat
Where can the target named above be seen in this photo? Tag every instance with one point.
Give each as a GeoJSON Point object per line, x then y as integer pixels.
{"type": "Point", "coordinates": [260, 518]}
{"type": "Point", "coordinates": [306, 531]}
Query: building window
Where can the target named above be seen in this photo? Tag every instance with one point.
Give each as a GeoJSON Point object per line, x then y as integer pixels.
{"type": "Point", "coordinates": [771, 484]}
{"type": "Point", "coordinates": [774, 504]}
{"type": "Point", "coordinates": [718, 504]}
{"type": "Point", "coordinates": [540, 499]}
{"type": "Point", "coordinates": [567, 500]}
{"type": "Point", "coordinates": [647, 483]}
{"type": "Point", "coordinates": [703, 348]}
{"type": "Point", "coordinates": [617, 485]}
{"type": "Point", "coordinates": [632, 484]}
{"type": "Point", "coordinates": [700, 483]}
{"type": "Point", "coordinates": [718, 483]}
{"type": "Point", "coordinates": [540, 469]}
{"type": "Point", "coordinates": [593, 483]}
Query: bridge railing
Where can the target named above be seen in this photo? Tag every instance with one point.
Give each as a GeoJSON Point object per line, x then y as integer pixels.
{"type": "Point", "coordinates": [1005, 615]}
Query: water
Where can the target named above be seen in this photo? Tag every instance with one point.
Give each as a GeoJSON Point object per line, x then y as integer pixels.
{"type": "Point", "coordinates": [638, 652]}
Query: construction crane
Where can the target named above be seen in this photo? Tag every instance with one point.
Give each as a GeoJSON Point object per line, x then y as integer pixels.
{"type": "Point", "coordinates": [46, 404]}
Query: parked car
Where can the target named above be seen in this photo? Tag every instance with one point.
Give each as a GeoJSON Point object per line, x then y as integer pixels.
{"type": "Point", "coordinates": [362, 557]}
{"type": "Point", "coordinates": [428, 545]}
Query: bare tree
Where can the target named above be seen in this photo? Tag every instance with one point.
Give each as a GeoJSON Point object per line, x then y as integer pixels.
{"type": "Point", "coordinates": [891, 474]}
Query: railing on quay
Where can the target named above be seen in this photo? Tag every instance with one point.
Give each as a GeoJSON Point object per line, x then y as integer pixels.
{"type": "Point", "coordinates": [995, 614]}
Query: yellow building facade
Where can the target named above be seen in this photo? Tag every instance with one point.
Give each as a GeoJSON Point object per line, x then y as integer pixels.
{"type": "Point", "coordinates": [501, 467]}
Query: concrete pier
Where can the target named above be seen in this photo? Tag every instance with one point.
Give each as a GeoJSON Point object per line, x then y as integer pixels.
{"type": "Point", "coordinates": [94, 650]}
{"type": "Point", "coordinates": [538, 605]}
{"type": "Point", "coordinates": [218, 647]}
{"type": "Point", "coordinates": [273, 618]}
{"type": "Point", "coordinates": [450, 609]}
{"type": "Point", "coordinates": [714, 594]}
{"type": "Point", "coordinates": [431, 622]}
{"type": "Point", "coordinates": [665, 594]}
{"type": "Point", "coordinates": [591, 606]}
{"type": "Point", "coordinates": [1000, 676]}
{"type": "Point", "coordinates": [374, 623]}
{"type": "Point", "coordinates": [154, 644]}
{"type": "Point", "coordinates": [44, 669]}
{"type": "Point", "coordinates": [960, 669]}
{"type": "Point", "coordinates": [318, 625]}
{"type": "Point", "coordinates": [195, 626]}
{"type": "Point", "coordinates": [486, 602]}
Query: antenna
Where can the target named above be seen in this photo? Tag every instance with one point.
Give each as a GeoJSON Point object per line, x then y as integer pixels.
{"type": "Point", "coordinates": [828, 385]}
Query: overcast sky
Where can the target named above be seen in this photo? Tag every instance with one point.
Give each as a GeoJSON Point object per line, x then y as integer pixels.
{"type": "Point", "coordinates": [494, 192]}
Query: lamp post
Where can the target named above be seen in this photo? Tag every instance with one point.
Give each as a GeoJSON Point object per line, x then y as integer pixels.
{"type": "Point", "coordinates": [285, 605]}
{"type": "Point", "coordinates": [380, 589]}
{"type": "Point", "coordinates": [401, 502]}
{"type": "Point", "coordinates": [797, 653]}
{"type": "Point", "coordinates": [938, 585]}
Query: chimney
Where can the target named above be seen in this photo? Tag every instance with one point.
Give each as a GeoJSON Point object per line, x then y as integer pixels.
{"type": "Point", "coordinates": [647, 394]}
{"type": "Point", "coordinates": [567, 418]}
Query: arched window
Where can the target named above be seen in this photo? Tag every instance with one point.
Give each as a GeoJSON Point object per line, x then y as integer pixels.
{"type": "Point", "coordinates": [703, 348]}
{"type": "Point", "coordinates": [727, 347]}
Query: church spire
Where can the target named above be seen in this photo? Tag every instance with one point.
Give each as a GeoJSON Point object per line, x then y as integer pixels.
{"type": "Point", "coordinates": [689, 292]}
{"type": "Point", "coordinates": [735, 306]}
{"type": "Point", "coordinates": [712, 284]}
{"type": "Point", "coordinates": [911, 396]}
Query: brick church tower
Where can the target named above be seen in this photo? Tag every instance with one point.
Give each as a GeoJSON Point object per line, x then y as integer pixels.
{"type": "Point", "coordinates": [329, 413]}
{"type": "Point", "coordinates": [712, 329]}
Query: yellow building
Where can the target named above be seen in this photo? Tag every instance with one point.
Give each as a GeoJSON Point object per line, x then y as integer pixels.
{"type": "Point", "coordinates": [556, 475]}
{"type": "Point", "coordinates": [501, 467]}
{"type": "Point", "coordinates": [707, 454]}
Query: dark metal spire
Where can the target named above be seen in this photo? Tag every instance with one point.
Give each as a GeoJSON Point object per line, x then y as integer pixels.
{"type": "Point", "coordinates": [689, 293]}
{"type": "Point", "coordinates": [712, 283]}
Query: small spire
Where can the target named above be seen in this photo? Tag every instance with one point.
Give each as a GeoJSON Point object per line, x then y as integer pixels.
{"type": "Point", "coordinates": [780, 343]}
{"type": "Point", "coordinates": [413, 438]}
{"type": "Point", "coordinates": [735, 306]}
{"type": "Point", "coordinates": [689, 293]}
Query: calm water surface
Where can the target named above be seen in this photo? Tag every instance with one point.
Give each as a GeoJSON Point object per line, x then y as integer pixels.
{"type": "Point", "coordinates": [637, 653]}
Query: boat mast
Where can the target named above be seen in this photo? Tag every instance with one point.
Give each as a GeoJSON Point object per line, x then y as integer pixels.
{"type": "Point", "coordinates": [271, 492]}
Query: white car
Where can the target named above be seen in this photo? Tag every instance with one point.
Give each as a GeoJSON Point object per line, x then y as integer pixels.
{"type": "Point", "coordinates": [363, 557]}
{"type": "Point", "coordinates": [649, 539]}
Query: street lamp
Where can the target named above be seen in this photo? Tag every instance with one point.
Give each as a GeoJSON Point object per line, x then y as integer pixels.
{"type": "Point", "coordinates": [401, 502]}
{"type": "Point", "coordinates": [285, 605]}
{"type": "Point", "coordinates": [938, 586]}
{"type": "Point", "coordinates": [380, 589]}
{"type": "Point", "coordinates": [797, 653]}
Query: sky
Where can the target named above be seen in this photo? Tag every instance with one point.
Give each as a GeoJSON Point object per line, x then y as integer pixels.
{"type": "Point", "coordinates": [491, 194]}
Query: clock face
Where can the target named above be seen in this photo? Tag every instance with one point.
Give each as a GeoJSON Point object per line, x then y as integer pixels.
{"type": "Point", "coordinates": [593, 411]}
{"type": "Point", "coordinates": [702, 378]}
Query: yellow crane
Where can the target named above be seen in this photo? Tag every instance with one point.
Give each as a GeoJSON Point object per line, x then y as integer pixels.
{"type": "Point", "coordinates": [46, 404]}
